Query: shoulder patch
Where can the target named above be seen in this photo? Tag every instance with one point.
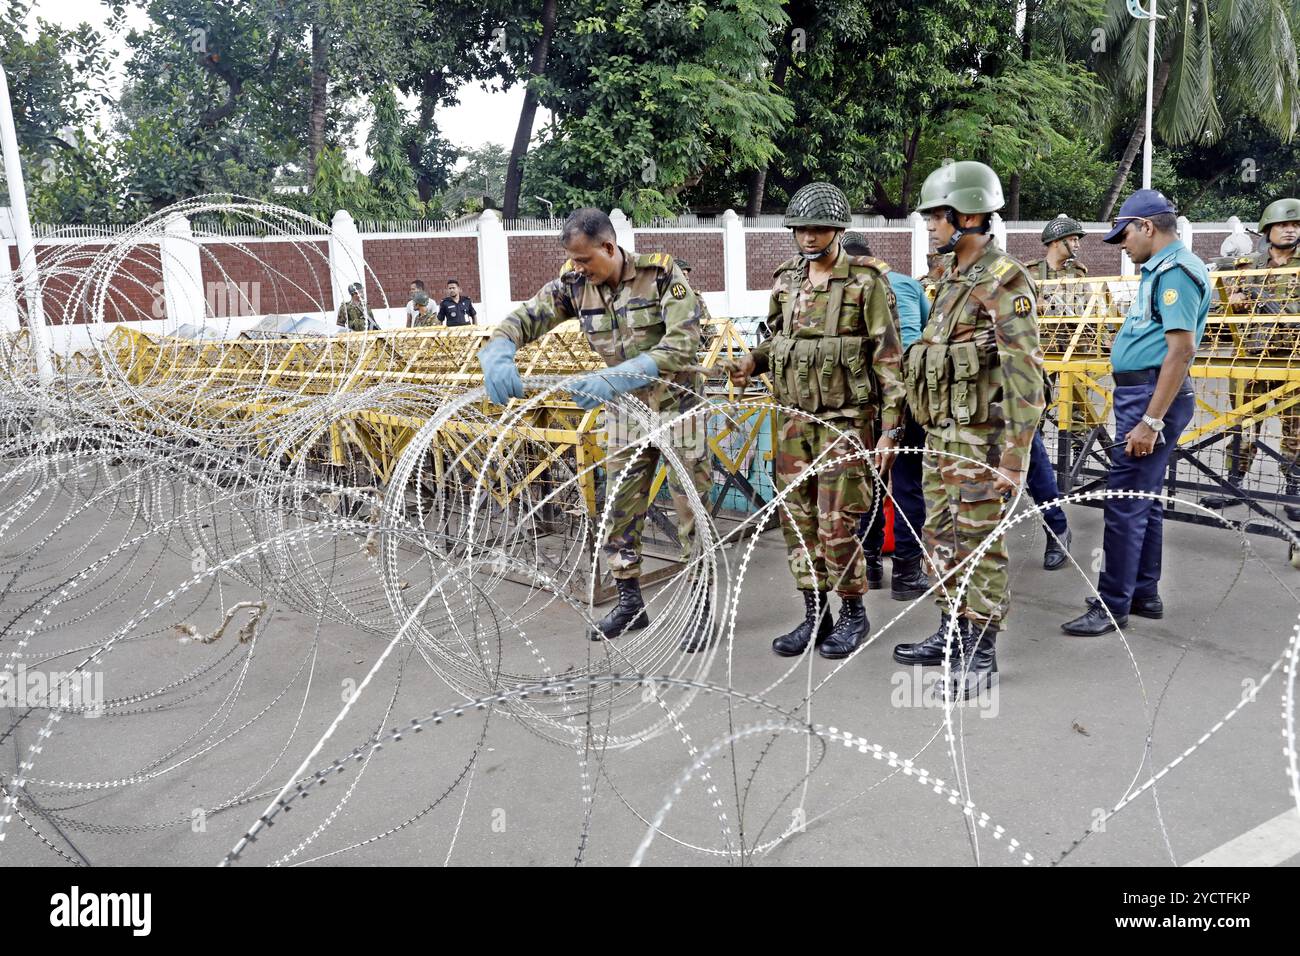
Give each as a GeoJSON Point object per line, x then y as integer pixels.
{"type": "Point", "coordinates": [678, 290]}
{"type": "Point", "coordinates": [1244, 262]}
{"type": "Point", "coordinates": [1022, 305]}
{"type": "Point", "coordinates": [655, 260]}
{"type": "Point", "coordinates": [1002, 266]}
{"type": "Point", "coordinates": [1170, 296]}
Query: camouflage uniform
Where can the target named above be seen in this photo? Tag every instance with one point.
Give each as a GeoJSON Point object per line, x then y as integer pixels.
{"type": "Point", "coordinates": [355, 317]}
{"type": "Point", "coordinates": [423, 314]}
{"type": "Point", "coordinates": [653, 310]}
{"type": "Point", "coordinates": [1276, 295]}
{"type": "Point", "coordinates": [990, 312]}
{"type": "Point", "coordinates": [822, 512]}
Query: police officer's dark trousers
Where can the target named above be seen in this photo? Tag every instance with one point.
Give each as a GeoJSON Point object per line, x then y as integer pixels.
{"type": "Point", "coordinates": [1134, 533]}
{"type": "Point", "coordinates": [1041, 485]}
{"type": "Point", "coordinates": [909, 502]}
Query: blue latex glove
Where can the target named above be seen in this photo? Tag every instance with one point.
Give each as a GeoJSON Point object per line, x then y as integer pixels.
{"type": "Point", "coordinates": [600, 387]}
{"type": "Point", "coordinates": [500, 376]}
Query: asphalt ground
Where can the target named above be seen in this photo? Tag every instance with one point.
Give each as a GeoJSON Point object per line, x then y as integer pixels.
{"type": "Point", "coordinates": [1075, 727]}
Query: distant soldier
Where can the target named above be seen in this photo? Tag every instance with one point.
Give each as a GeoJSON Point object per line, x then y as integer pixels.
{"type": "Point", "coordinates": [975, 382]}
{"type": "Point", "coordinates": [640, 316]}
{"type": "Point", "coordinates": [1262, 297]}
{"type": "Point", "coordinates": [834, 353]}
{"type": "Point", "coordinates": [707, 330]}
{"type": "Point", "coordinates": [355, 315]}
{"type": "Point", "coordinates": [1060, 260]}
{"type": "Point", "coordinates": [421, 310]}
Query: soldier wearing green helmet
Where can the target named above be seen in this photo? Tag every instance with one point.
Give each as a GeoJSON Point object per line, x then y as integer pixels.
{"type": "Point", "coordinates": [1265, 298]}
{"type": "Point", "coordinates": [834, 356]}
{"type": "Point", "coordinates": [975, 382]}
{"type": "Point", "coordinates": [1061, 238]}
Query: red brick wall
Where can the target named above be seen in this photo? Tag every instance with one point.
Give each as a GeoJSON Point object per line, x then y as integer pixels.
{"type": "Point", "coordinates": [764, 251]}
{"type": "Point", "coordinates": [894, 247]}
{"type": "Point", "coordinates": [702, 249]}
{"type": "Point", "coordinates": [130, 295]}
{"type": "Point", "coordinates": [1206, 244]}
{"type": "Point", "coordinates": [432, 259]}
{"type": "Point", "coordinates": [293, 277]}
{"type": "Point", "coordinates": [534, 261]}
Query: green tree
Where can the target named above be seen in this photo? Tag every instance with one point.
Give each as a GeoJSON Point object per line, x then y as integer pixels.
{"type": "Point", "coordinates": [391, 176]}
{"type": "Point", "coordinates": [1216, 61]}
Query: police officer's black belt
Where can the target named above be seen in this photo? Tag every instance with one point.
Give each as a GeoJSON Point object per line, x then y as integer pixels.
{"type": "Point", "coordinates": [1145, 376]}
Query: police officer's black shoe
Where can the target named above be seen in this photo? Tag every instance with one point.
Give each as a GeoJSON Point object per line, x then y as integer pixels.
{"type": "Point", "coordinates": [929, 652]}
{"type": "Point", "coordinates": [976, 667]}
{"type": "Point", "coordinates": [628, 614]}
{"type": "Point", "coordinates": [1057, 550]}
{"type": "Point", "coordinates": [1219, 502]}
{"type": "Point", "coordinates": [908, 582]}
{"type": "Point", "coordinates": [816, 619]}
{"type": "Point", "coordinates": [700, 634]}
{"type": "Point", "coordinates": [1095, 621]}
{"type": "Point", "coordinates": [1151, 607]}
{"type": "Point", "coordinates": [875, 572]}
{"type": "Point", "coordinates": [849, 631]}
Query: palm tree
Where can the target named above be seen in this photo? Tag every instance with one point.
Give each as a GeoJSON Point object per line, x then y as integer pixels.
{"type": "Point", "coordinates": [1213, 58]}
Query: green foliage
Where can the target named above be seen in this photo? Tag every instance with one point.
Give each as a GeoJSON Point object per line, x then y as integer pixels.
{"type": "Point", "coordinates": [647, 97]}
{"type": "Point", "coordinates": [391, 176]}
{"type": "Point", "coordinates": [484, 173]}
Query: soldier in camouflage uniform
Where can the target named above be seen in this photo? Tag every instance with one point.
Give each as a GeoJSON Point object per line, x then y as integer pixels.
{"type": "Point", "coordinates": [640, 315]}
{"type": "Point", "coordinates": [1261, 296]}
{"type": "Point", "coordinates": [835, 354]}
{"type": "Point", "coordinates": [355, 315]}
{"type": "Point", "coordinates": [423, 314]}
{"type": "Point", "coordinates": [975, 382]}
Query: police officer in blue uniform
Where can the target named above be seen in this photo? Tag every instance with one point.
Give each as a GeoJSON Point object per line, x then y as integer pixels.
{"type": "Point", "coordinates": [1153, 402]}
{"type": "Point", "coordinates": [908, 580]}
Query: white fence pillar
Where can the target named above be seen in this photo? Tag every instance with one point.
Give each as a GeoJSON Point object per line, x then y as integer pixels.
{"type": "Point", "coordinates": [8, 278]}
{"type": "Point", "coordinates": [998, 228]}
{"type": "Point", "coordinates": [920, 244]}
{"type": "Point", "coordinates": [1185, 231]}
{"type": "Point", "coordinates": [493, 268]}
{"type": "Point", "coordinates": [182, 275]}
{"type": "Point", "coordinates": [1126, 267]}
{"type": "Point", "coordinates": [347, 259]}
{"type": "Point", "coordinates": [735, 274]}
{"type": "Point", "coordinates": [623, 229]}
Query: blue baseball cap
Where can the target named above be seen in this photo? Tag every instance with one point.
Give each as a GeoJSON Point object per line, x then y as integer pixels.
{"type": "Point", "coordinates": [1143, 204]}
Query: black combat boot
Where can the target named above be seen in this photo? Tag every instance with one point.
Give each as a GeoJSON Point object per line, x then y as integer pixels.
{"type": "Point", "coordinates": [976, 667]}
{"type": "Point", "coordinates": [1057, 550]}
{"type": "Point", "coordinates": [1292, 490]}
{"type": "Point", "coordinates": [700, 634]}
{"type": "Point", "coordinates": [627, 615]}
{"type": "Point", "coordinates": [908, 582]}
{"type": "Point", "coordinates": [1219, 502]}
{"type": "Point", "coordinates": [849, 631]}
{"type": "Point", "coordinates": [929, 652]}
{"type": "Point", "coordinates": [816, 619]}
{"type": "Point", "coordinates": [875, 572]}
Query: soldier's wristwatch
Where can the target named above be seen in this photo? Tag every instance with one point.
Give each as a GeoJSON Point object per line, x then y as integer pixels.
{"type": "Point", "coordinates": [896, 433]}
{"type": "Point", "coordinates": [1155, 424]}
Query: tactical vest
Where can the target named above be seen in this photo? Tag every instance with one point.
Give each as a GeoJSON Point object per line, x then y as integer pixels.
{"type": "Point", "coordinates": [824, 370]}
{"type": "Point", "coordinates": [957, 382]}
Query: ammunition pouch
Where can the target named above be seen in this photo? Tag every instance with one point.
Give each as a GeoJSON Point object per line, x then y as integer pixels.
{"type": "Point", "coordinates": [950, 382]}
{"type": "Point", "coordinates": [823, 373]}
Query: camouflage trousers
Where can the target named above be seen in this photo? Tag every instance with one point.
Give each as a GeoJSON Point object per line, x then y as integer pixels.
{"type": "Point", "coordinates": [1290, 421]}
{"type": "Point", "coordinates": [961, 509]}
{"type": "Point", "coordinates": [631, 504]}
{"type": "Point", "coordinates": [822, 511]}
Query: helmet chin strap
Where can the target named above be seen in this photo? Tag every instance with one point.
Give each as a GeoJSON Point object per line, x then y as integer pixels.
{"type": "Point", "coordinates": [814, 256]}
{"type": "Point", "coordinates": [958, 232]}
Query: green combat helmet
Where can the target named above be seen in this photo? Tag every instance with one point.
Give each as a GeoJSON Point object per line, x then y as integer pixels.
{"type": "Point", "coordinates": [855, 244]}
{"type": "Point", "coordinates": [1062, 227]}
{"type": "Point", "coordinates": [967, 187]}
{"type": "Point", "coordinates": [1284, 210]}
{"type": "Point", "coordinates": [819, 204]}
